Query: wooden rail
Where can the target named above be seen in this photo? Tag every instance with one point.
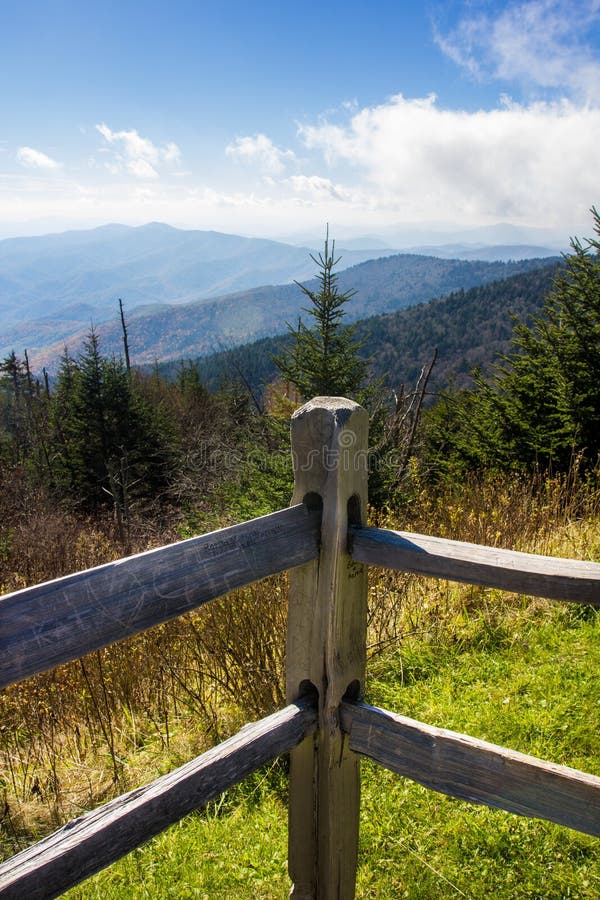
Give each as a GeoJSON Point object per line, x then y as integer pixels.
{"type": "Point", "coordinates": [508, 570]}
{"type": "Point", "coordinates": [474, 770]}
{"type": "Point", "coordinates": [322, 537]}
{"type": "Point", "coordinates": [98, 838]}
{"type": "Point", "coordinates": [54, 622]}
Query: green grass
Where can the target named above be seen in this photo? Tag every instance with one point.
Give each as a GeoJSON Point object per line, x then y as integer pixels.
{"type": "Point", "coordinates": [243, 855]}
{"type": "Point", "coordinates": [529, 683]}
{"type": "Point", "coordinates": [236, 849]}
{"type": "Point", "coordinates": [533, 688]}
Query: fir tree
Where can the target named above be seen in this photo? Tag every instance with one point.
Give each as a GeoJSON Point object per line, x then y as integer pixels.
{"type": "Point", "coordinates": [541, 406]}
{"type": "Point", "coordinates": [110, 449]}
{"type": "Point", "coordinates": [547, 394]}
{"type": "Point", "coordinates": [323, 360]}
{"type": "Point", "coordinates": [13, 391]}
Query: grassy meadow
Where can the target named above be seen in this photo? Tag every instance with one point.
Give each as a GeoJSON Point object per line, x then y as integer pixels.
{"type": "Point", "coordinates": [513, 670]}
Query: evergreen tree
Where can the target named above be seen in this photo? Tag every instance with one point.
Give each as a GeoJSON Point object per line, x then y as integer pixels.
{"type": "Point", "coordinates": [547, 394]}
{"type": "Point", "coordinates": [108, 441]}
{"type": "Point", "coordinates": [541, 406]}
{"type": "Point", "coordinates": [323, 360]}
{"type": "Point", "coordinates": [63, 426]}
{"type": "Point", "coordinates": [13, 391]}
{"type": "Point", "coordinates": [23, 418]}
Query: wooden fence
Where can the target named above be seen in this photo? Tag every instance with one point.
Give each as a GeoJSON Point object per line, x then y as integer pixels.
{"type": "Point", "coordinates": [326, 727]}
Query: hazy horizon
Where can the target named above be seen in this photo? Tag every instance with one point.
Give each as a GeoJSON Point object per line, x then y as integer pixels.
{"type": "Point", "coordinates": [402, 236]}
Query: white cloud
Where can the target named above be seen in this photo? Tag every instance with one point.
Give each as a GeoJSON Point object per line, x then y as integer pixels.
{"type": "Point", "coordinates": [141, 168]}
{"type": "Point", "coordinates": [35, 159]}
{"type": "Point", "coordinates": [136, 154]}
{"type": "Point", "coordinates": [29, 197]}
{"type": "Point", "coordinates": [539, 43]}
{"type": "Point", "coordinates": [171, 153]}
{"type": "Point", "coordinates": [528, 163]}
{"type": "Point", "coordinates": [259, 150]}
{"type": "Point", "coordinates": [317, 187]}
{"type": "Point", "coordinates": [405, 160]}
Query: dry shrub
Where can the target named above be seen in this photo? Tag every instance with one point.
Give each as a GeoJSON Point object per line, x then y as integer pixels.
{"type": "Point", "coordinates": [88, 730]}
{"type": "Point", "coordinates": [514, 511]}
{"type": "Point", "coordinates": [558, 516]}
{"type": "Point", "coordinates": [41, 539]}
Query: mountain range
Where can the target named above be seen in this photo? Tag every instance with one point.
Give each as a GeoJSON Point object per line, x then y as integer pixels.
{"type": "Point", "coordinates": [196, 329]}
{"type": "Point", "coordinates": [67, 280]}
{"type": "Point", "coordinates": [413, 235]}
{"type": "Point", "coordinates": [187, 293]}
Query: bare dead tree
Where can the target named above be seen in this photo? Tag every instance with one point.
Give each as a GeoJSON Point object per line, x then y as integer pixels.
{"type": "Point", "coordinates": [125, 338]}
{"type": "Point", "coordinates": [401, 427]}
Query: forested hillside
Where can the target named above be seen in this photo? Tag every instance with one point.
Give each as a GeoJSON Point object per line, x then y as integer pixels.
{"type": "Point", "coordinates": [197, 329]}
{"type": "Point", "coordinates": [469, 328]}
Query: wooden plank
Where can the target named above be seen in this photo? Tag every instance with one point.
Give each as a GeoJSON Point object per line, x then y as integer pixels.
{"type": "Point", "coordinates": [98, 838]}
{"type": "Point", "coordinates": [523, 573]}
{"type": "Point", "coordinates": [474, 770]}
{"type": "Point", "coordinates": [326, 648]}
{"type": "Point", "coordinates": [52, 623]}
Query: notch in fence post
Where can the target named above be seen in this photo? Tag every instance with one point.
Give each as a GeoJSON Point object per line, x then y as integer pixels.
{"type": "Point", "coordinates": [326, 648]}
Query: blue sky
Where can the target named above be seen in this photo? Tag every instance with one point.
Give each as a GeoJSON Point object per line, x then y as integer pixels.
{"type": "Point", "coordinates": [272, 118]}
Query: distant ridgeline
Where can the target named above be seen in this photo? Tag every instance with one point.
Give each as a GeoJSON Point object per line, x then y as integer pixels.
{"type": "Point", "coordinates": [184, 330]}
{"type": "Point", "coordinates": [469, 328]}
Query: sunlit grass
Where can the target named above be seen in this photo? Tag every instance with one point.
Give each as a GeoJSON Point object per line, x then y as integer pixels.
{"type": "Point", "coordinates": [535, 692]}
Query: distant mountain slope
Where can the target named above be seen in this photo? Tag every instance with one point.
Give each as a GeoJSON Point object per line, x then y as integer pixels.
{"type": "Point", "coordinates": [468, 328]}
{"type": "Point", "coordinates": [59, 275]}
{"type": "Point", "coordinates": [382, 285]}
{"type": "Point", "coordinates": [493, 252]}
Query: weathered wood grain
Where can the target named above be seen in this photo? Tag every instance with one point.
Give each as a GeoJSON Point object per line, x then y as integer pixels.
{"type": "Point", "coordinates": [96, 839]}
{"type": "Point", "coordinates": [326, 646]}
{"type": "Point", "coordinates": [523, 573]}
{"type": "Point", "coordinates": [474, 770]}
{"type": "Point", "coordinates": [52, 623]}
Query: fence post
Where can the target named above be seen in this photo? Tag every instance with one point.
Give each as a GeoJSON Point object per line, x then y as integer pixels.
{"type": "Point", "coordinates": [326, 648]}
